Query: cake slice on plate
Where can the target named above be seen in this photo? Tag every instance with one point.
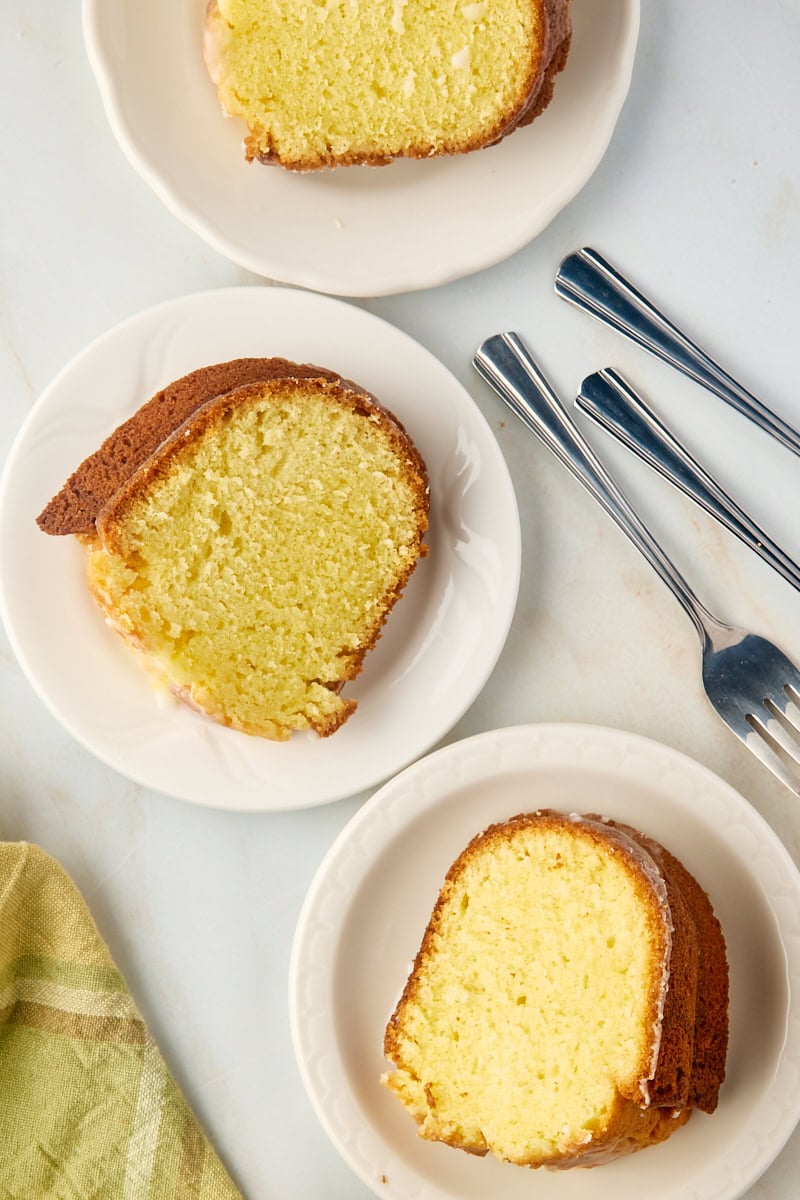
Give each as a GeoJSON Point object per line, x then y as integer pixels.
{"type": "Point", "coordinates": [569, 1001]}
{"type": "Point", "coordinates": [251, 544]}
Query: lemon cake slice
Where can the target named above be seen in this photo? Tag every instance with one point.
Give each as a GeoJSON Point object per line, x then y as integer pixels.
{"type": "Point", "coordinates": [253, 556]}
{"type": "Point", "coordinates": [569, 1001]}
{"type": "Point", "coordinates": [329, 82]}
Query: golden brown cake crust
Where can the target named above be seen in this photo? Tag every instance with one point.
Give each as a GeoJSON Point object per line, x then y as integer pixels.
{"type": "Point", "coordinates": [690, 1064]}
{"type": "Point", "coordinates": [74, 509]}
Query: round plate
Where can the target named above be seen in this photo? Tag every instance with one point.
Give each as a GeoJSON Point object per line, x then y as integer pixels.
{"type": "Point", "coordinates": [356, 231]}
{"type": "Point", "coordinates": [439, 645]}
{"type": "Point", "coordinates": [366, 911]}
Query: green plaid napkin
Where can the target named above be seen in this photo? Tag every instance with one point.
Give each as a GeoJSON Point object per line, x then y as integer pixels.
{"type": "Point", "coordinates": [88, 1110]}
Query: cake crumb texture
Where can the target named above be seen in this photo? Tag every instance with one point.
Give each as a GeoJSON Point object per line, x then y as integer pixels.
{"type": "Point", "coordinates": [76, 506]}
{"type": "Point", "coordinates": [542, 1021]}
{"type": "Point", "coordinates": [253, 558]}
{"type": "Point", "coordinates": [329, 82]}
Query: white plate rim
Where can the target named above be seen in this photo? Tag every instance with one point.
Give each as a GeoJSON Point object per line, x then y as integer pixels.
{"type": "Point", "coordinates": [478, 424]}
{"type": "Point", "coordinates": [396, 805]}
{"type": "Point", "coordinates": [391, 281]}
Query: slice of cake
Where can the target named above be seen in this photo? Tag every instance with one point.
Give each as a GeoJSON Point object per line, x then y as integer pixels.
{"type": "Point", "coordinates": [325, 83]}
{"type": "Point", "coordinates": [252, 556]}
{"type": "Point", "coordinates": [569, 1000]}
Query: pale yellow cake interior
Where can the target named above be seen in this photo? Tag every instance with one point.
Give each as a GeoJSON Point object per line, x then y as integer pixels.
{"type": "Point", "coordinates": [256, 567]}
{"type": "Point", "coordinates": [533, 1006]}
{"type": "Point", "coordinates": [321, 78]}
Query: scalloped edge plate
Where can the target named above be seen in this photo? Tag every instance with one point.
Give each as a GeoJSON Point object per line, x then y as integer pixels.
{"type": "Point", "coordinates": [438, 647]}
{"type": "Point", "coordinates": [354, 231]}
{"type": "Point", "coordinates": [367, 908]}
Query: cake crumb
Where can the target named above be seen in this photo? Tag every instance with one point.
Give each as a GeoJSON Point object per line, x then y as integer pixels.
{"type": "Point", "coordinates": [397, 23]}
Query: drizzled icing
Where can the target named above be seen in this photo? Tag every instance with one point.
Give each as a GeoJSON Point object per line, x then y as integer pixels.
{"type": "Point", "coordinates": [558, 31]}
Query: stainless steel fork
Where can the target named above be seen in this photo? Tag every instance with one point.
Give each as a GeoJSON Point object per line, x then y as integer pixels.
{"type": "Point", "coordinates": [751, 684]}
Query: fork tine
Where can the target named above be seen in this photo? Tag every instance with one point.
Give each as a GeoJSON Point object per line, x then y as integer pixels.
{"type": "Point", "coordinates": [774, 731]}
{"type": "Point", "coordinates": [790, 672]}
{"type": "Point", "coordinates": [759, 741]}
{"type": "Point", "coordinates": [784, 702]}
{"type": "Point", "coordinates": [792, 709]}
{"type": "Point", "coordinates": [785, 712]}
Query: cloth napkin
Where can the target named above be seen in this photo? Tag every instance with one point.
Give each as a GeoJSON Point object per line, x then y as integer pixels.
{"type": "Point", "coordinates": [88, 1110]}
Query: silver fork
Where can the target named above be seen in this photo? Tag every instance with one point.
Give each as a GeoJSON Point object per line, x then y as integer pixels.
{"type": "Point", "coordinates": [750, 683]}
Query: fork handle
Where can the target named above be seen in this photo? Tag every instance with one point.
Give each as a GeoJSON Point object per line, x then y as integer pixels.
{"type": "Point", "coordinates": [507, 365]}
{"type": "Point", "coordinates": [590, 283]}
{"type": "Point", "coordinates": [614, 405]}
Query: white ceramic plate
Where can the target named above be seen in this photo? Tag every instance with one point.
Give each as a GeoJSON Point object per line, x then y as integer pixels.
{"type": "Point", "coordinates": [365, 913]}
{"type": "Point", "coordinates": [439, 645]}
{"type": "Point", "coordinates": [354, 231]}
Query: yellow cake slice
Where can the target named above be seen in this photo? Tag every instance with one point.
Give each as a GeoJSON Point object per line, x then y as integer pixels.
{"type": "Point", "coordinates": [252, 558]}
{"type": "Point", "coordinates": [328, 82]}
{"type": "Point", "coordinates": [569, 1001]}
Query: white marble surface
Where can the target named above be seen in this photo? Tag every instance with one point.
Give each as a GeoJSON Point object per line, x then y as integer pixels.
{"type": "Point", "coordinates": [699, 196]}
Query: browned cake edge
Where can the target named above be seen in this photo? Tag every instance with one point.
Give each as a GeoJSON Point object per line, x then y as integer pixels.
{"type": "Point", "coordinates": [711, 1026]}
{"type": "Point", "coordinates": [75, 507]}
{"type": "Point", "coordinates": [558, 39]}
